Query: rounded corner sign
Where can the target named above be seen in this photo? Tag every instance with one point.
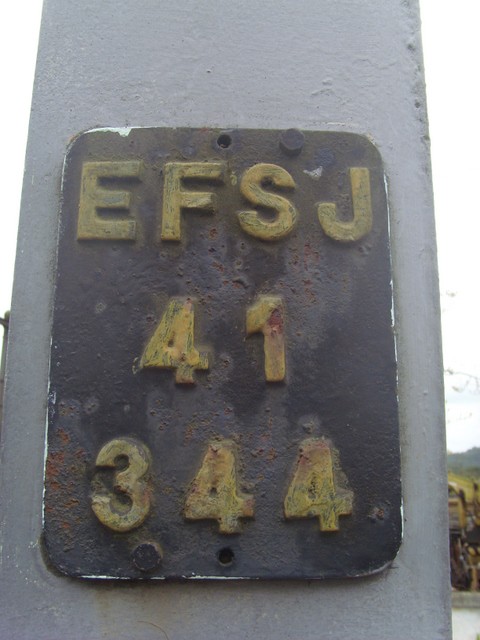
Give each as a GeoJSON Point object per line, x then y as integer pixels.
{"type": "Point", "coordinates": [223, 378]}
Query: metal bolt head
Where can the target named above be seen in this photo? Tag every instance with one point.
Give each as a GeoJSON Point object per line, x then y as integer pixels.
{"type": "Point", "coordinates": [147, 556]}
{"type": "Point", "coordinates": [292, 141]}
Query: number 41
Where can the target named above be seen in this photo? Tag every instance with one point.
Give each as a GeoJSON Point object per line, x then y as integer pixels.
{"type": "Point", "coordinates": [172, 344]}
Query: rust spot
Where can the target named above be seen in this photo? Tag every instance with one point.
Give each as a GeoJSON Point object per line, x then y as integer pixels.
{"type": "Point", "coordinates": [54, 463]}
{"type": "Point", "coordinates": [271, 454]}
{"type": "Point", "coordinates": [377, 514]}
{"type": "Point", "coordinates": [63, 435]}
{"type": "Point", "coordinates": [213, 233]}
{"type": "Point", "coordinates": [55, 486]}
{"type": "Point", "coordinates": [275, 321]}
{"type": "Point", "coordinates": [64, 501]}
{"type": "Point", "coordinates": [303, 459]}
{"type": "Point", "coordinates": [310, 256]}
{"type": "Point", "coordinates": [67, 410]}
{"type": "Point", "coordinates": [73, 502]}
{"type": "Point", "coordinates": [190, 430]}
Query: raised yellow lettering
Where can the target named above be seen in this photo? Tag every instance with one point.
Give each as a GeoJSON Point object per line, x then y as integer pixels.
{"type": "Point", "coordinates": [313, 492]}
{"type": "Point", "coordinates": [267, 316]}
{"type": "Point", "coordinates": [127, 506]}
{"type": "Point", "coordinates": [94, 198]}
{"type": "Point", "coordinates": [175, 198]}
{"type": "Point", "coordinates": [251, 187]}
{"type": "Point", "coordinates": [214, 495]}
{"type": "Point", "coordinates": [361, 224]}
{"type": "Point", "coordinates": [172, 344]}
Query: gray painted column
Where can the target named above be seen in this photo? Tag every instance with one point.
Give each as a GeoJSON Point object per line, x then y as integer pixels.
{"type": "Point", "coordinates": [349, 65]}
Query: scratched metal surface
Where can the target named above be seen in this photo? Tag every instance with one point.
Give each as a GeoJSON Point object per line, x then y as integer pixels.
{"type": "Point", "coordinates": [340, 361]}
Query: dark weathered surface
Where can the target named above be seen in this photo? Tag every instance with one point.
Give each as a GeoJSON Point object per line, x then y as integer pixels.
{"type": "Point", "coordinates": [340, 379]}
{"type": "Point", "coordinates": [341, 65]}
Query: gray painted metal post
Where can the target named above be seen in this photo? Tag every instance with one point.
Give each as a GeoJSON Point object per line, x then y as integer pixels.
{"type": "Point", "coordinates": [349, 65]}
{"type": "Point", "coordinates": [4, 322]}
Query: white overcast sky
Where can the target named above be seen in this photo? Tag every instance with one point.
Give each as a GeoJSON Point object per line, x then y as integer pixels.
{"type": "Point", "coordinates": [452, 54]}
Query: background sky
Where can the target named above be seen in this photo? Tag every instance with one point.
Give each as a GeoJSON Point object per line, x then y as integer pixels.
{"type": "Point", "coordinates": [452, 54]}
{"type": "Point", "coordinates": [451, 46]}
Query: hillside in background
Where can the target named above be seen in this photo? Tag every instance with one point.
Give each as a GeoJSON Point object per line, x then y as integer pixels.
{"type": "Point", "coordinates": [464, 469]}
{"type": "Point", "coordinates": [465, 464]}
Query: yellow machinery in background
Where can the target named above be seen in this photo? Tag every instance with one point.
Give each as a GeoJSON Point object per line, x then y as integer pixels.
{"type": "Point", "coordinates": [457, 515]}
{"type": "Point", "coordinates": [464, 524]}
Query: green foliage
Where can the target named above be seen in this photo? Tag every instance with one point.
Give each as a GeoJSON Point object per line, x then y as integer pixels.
{"type": "Point", "coordinates": [466, 464]}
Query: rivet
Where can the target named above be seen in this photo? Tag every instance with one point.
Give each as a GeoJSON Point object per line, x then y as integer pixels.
{"type": "Point", "coordinates": [147, 556]}
{"type": "Point", "coordinates": [292, 141]}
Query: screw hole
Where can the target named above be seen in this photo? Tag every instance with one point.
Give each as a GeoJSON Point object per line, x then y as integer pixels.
{"type": "Point", "coordinates": [224, 141]}
{"type": "Point", "coordinates": [226, 556]}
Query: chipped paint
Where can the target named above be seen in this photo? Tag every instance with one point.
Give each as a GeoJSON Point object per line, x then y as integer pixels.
{"type": "Point", "coordinates": [315, 174]}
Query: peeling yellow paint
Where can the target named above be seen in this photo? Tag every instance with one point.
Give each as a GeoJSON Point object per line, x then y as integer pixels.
{"type": "Point", "coordinates": [94, 197]}
{"type": "Point", "coordinates": [172, 344]}
{"type": "Point", "coordinates": [214, 493]}
{"type": "Point", "coordinates": [175, 198]}
{"type": "Point", "coordinates": [267, 316]}
{"type": "Point", "coordinates": [251, 187]}
{"type": "Point", "coordinates": [361, 224]}
{"type": "Point", "coordinates": [312, 492]}
{"type": "Point", "coordinates": [131, 482]}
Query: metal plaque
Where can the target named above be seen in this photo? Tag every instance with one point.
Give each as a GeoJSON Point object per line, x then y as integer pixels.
{"type": "Point", "coordinates": [222, 398]}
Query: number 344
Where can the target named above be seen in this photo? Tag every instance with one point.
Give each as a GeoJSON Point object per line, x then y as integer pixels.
{"type": "Point", "coordinates": [316, 489]}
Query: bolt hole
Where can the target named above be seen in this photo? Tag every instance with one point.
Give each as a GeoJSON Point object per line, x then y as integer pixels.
{"type": "Point", "coordinates": [226, 556]}
{"type": "Point", "coordinates": [224, 141]}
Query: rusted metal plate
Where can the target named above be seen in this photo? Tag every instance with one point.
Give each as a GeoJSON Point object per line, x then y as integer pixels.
{"type": "Point", "coordinates": [223, 380]}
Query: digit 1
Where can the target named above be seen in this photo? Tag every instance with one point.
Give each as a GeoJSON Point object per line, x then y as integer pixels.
{"type": "Point", "coordinates": [267, 316]}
